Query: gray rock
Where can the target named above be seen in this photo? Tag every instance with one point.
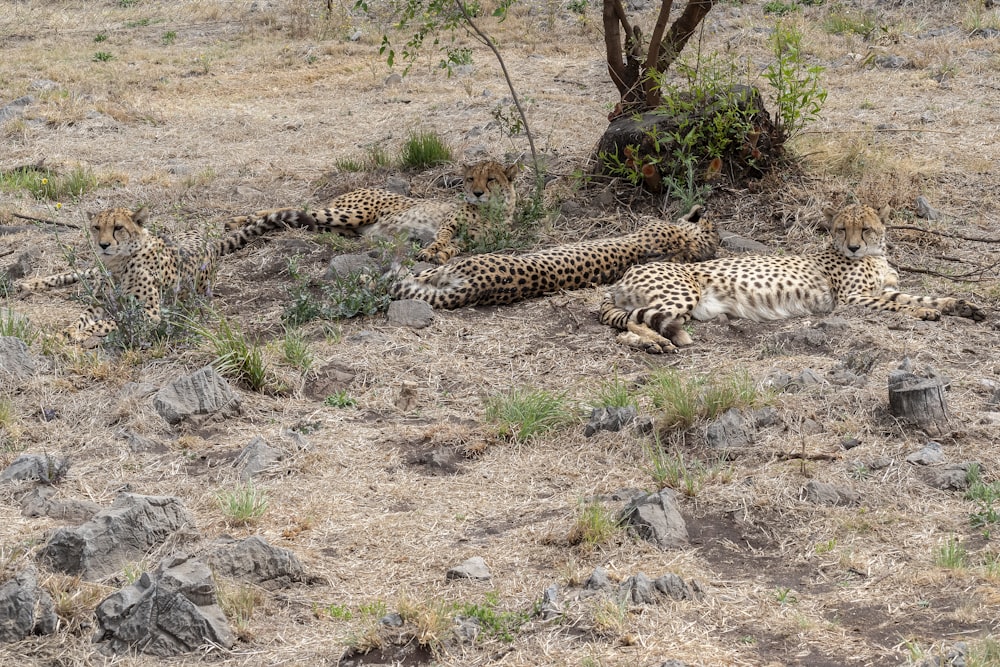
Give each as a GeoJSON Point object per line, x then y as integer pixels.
{"type": "Point", "coordinates": [598, 580]}
{"type": "Point", "coordinates": [254, 560]}
{"type": "Point", "coordinates": [15, 108]}
{"type": "Point", "coordinates": [204, 392]}
{"type": "Point", "coordinates": [16, 363]}
{"type": "Point", "coordinates": [549, 608]}
{"type": "Point", "coordinates": [833, 324]}
{"type": "Point", "coordinates": [473, 568]}
{"type": "Point", "coordinates": [571, 209]}
{"type": "Point", "coordinates": [140, 443]}
{"type": "Point", "coordinates": [399, 185]}
{"type": "Point", "coordinates": [356, 35]}
{"type": "Point", "coordinates": [954, 477]}
{"type": "Point", "coordinates": [925, 210]}
{"type": "Point", "coordinates": [638, 589]}
{"type": "Point", "coordinates": [392, 620]}
{"type": "Point", "coordinates": [777, 379]}
{"type": "Point", "coordinates": [610, 419]}
{"type": "Point", "coordinates": [412, 313]}
{"type": "Point", "coordinates": [986, 33]}
{"type": "Point", "coordinates": [25, 608]}
{"type": "Point", "coordinates": [844, 377]}
{"type": "Point", "coordinates": [21, 266]}
{"type": "Point", "coordinates": [41, 501]}
{"type": "Point", "coordinates": [729, 431]}
{"type": "Point", "coordinates": [821, 493]}
{"type": "Point", "coordinates": [256, 457]}
{"type": "Point", "coordinates": [168, 612]}
{"type": "Point", "coordinates": [343, 266]}
{"type": "Point", "coordinates": [467, 629]}
{"type": "Point", "coordinates": [929, 455]}
{"type": "Point", "coordinates": [329, 379]}
{"type": "Point", "coordinates": [889, 61]}
{"type": "Point", "coordinates": [811, 339]}
{"type": "Point", "coordinates": [43, 468]}
{"type": "Point", "coordinates": [656, 518]}
{"type": "Point", "coordinates": [673, 586]}
{"type": "Point", "coordinates": [737, 243]}
{"type": "Point", "coordinates": [766, 416]}
{"type": "Point", "coordinates": [126, 531]}
{"type": "Point", "coordinates": [393, 79]}
{"type": "Point", "coordinates": [674, 663]}
{"type": "Point", "coordinates": [43, 85]}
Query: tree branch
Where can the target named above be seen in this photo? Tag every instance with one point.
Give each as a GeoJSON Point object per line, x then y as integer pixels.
{"type": "Point", "coordinates": [654, 50]}
{"type": "Point", "coordinates": [681, 31]}
{"type": "Point", "coordinates": [981, 239]}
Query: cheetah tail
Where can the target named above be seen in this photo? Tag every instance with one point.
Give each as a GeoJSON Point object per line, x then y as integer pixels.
{"type": "Point", "coordinates": [259, 226]}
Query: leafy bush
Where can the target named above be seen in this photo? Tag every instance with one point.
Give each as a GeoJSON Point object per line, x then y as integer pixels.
{"type": "Point", "coordinates": [796, 85]}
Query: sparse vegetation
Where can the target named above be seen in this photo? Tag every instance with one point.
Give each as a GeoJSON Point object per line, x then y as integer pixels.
{"type": "Point", "coordinates": [243, 505]}
{"type": "Point", "coordinates": [683, 399]}
{"type": "Point", "coordinates": [526, 413]}
{"type": "Point", "coordinates": [296, 349]}
{"type": "Point", "coordinates": [340, 399]}
{"type": "Point", "coordinates": [424, 149]}
{"type": "Point", "coordinates": [44, 183]}
{"type": "Point", "coordinates": [594, 525]}
{"type": "Point", "coordinates": [239, 603]}
{"type": "Point", "coordinates": [950, 554]}
{"type": "Point", "coordinates": [236, 357]}
{"type": "Point", "coordinates": [686, 475]}
{"type": "Point", "coordinates": [17, 326]}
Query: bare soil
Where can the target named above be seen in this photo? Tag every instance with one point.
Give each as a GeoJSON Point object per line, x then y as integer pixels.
{"type": "Point", "coordinates": [211, 108]}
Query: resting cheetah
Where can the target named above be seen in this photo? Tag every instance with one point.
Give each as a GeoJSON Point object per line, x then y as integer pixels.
{"type": "Point", "coordinates": [146, 266]}
{"type": "Point", "coordinates": [489, 186]}
{"type": "Point", "coordinates": [652, 302]}
{"type": "Point", "coordinates": [499, 279]}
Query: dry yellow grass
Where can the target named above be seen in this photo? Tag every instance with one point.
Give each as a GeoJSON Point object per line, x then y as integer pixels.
{"type": "Point", "coordinates": [250, 107]}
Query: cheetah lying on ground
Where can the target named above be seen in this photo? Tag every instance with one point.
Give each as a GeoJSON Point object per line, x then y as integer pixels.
{"type": "Point", "coordinates": [652, 302]}
{"type": "Point", "coordinates": [499, 279]}
{"type": "Point", "coordinates": [146, 266]}
{"type": "Point", "coordinates": [489, 195]}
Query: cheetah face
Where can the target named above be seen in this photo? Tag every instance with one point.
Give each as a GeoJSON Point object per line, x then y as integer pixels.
{"type": "Point", "coordinates": [118, 232]}
{"type": "Point", "coordinates": [489, 179]}
{"type": "Point", "coordinates": [857, 230]}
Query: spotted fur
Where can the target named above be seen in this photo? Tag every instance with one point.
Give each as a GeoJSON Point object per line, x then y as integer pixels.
{"type": "Point", "coordinates": [489, 191]}
{"type": "Point", "coordinates": [500, 279]}
{"type": "Point", "coordinates": [652, 302]}
{"type": "Point", "coordinates": [149, 267]}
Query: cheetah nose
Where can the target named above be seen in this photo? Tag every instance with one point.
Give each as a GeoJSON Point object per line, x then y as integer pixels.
{"type": "Point", "coordinates": [478, 193]}
{"type": "Point", "coordinates": [104, 246]}
{"type": "Point", "coordinates": [854, 248]}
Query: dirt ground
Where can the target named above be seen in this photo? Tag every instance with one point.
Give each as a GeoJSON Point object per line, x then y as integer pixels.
{"type": "Point", "coordinates": [206, 109]}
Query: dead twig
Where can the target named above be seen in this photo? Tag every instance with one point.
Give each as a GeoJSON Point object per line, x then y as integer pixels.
{"type": "Point", "coordinates": [963, 277]}
{"type": "Point", "coordinates": [980, 239]}
{"type": "Point", "coordinates": [47, 222]}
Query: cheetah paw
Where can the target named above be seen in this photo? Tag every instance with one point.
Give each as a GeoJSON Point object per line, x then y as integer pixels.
{"type": "Point", "coordinates": [928, 314]}
{"type": "Point", "coordinates": [963, 308]}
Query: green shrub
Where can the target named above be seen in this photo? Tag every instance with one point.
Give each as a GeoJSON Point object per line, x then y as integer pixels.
{"type": "Point", "coordinates": [243, 505]}
{"type": "Point", "coordinates": [683, 400]}
{"type": "Point", "coordinates": [424, 149]}
{"type": "Point", "coordinates": [525, 413]}
{"type": "Point", "coordinates": [796, 85]}
{"type": "Point", "coordinates": [595, 525]}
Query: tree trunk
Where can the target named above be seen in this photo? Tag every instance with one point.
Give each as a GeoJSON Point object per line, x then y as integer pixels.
{"type": "Point", "coordinates": [919, 401]}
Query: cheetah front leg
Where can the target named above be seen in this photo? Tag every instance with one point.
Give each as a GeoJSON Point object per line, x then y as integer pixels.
{"type": "Point", "coordinates": [58, 280]}
{"type": "Point", "coordinates": [920, 307]}
{"type": "Point", "coordinates": [442, 248]}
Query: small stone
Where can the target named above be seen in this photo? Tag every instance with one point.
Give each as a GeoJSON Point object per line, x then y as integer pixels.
{"type": "Point", "coordinates": [256, 457]}
{"type": "Point", "coordinates": [850, 444]}
{"type": "Point", "coordinates": [821, 493]}
{"type": "Point", "coordinates": [343, 266]}
{"type": "Point", "coordinates": [412, 313]}
{"type": "Point", "coordinates": [674, 587]}
{"type": "Point", "coordinates": [929, 455]}
{"type": "Point", "coordinates": [609, 419]}
{"type": "Point", "coordinates": [393, 80]}
{"type": "Point", "coordinates": [473, 568]}
{"type": "Point", "coordinates": [549, 607]}
{"type": "Point", "coordinates": [728, 431]}
{"type": "Point", "coordinates": [657, 518]}
{"type": "Point", "coordinates": [925, 210]}
{"type": "Point", "coordinates": [638, 589]}
{"type": "Point", "coordinates": [737, 243]}
{"type": "Point", "coordinates": [889, 61]}
{"type": "Point", "coordinates": [391, 620]}
{"type": "Point", "coordinates": [953, 477]}
{"type": "Point", "coordinates": [598, 580]}
{"type": "Point", "coordinates": [356, 35]}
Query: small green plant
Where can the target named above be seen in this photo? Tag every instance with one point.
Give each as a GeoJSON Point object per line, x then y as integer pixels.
{"type": "Point", "coordinates": [169, 37]}
{"type": "Point", "coordinates": [236, 357]}
{"type": "Point", "coordinates": [508, 119]}
{"type": "Point", "coordinates": [239, 603]}
{"type": "Point", "coordinates": [684, 400]}
{"type": "Point", "coordinates": [334, 611]}
{"type": "Point", "coordinates": [10, 426]}
{"type": "Point", "coordinates": [375, 609]}
{"type": "Point", "coordinates": [379, 157]}
{"type": "Point", "coordinates": [296, 349]}
{"type": "Point", "coordinates": [863, 24]}
{"type": "Point", "coordinates": [950, 555]}
{"type": "Point", "coordinates": [826, 547]}
{"type": "Point", "coordinates": [100, 37]}
{"type": "Point", "coordinates": [798, 93]}
{"type": "Point", "coordinates": [124, 4]}
{"type": "Point", "coordinates": [424, 149]}
{"type": "Point", "coordinates": [502, 625]}
{"type": "Point", "coordinates": [614, 393]}
{"type": "Point", "coordinates": [595, 525]}
{"type": "Point", "coordinates": [102, 57]}
{"type": "Point", "coordinates": [244, 505]}
{"type": "Point", "coordinates": [340, 399]}
{"type": "Point", "coordinates": [577, 7]}
{"type": "Point", "coordinates": [985, 495]}
{"type": "Point", "coordinates": [785, 596]}
{"type": "Point", "coordinates": [673, 470]}
{"type": "Point", "coordinates": [343, 297]}
{"type": "Point", "coordinates": [46, 184]}
{"type": "Point", "coordinates": [349, 165]}
{"type": "Point", "coordinates": [525, 413]}
{"type": "Point", "coordinates": [779, 8]}
{"type": "Point", "coordinates": [14, 325]}
{"type": "Point", "coordinates": [131, 572]}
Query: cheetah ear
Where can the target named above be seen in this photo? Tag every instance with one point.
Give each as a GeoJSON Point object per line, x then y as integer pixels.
{"type": "Point", "coordinates": [885, 213]}
{"type": "Point", "coordinates": [141, 216]}
{"type": "Point", "coordinates": [513, 170]}
{"type": "Point", "coordinates": [829, 213]}
{"type": "Point", "coordinates": [694, 215]}
{"type": "Point", "coordinates": [91, 215]}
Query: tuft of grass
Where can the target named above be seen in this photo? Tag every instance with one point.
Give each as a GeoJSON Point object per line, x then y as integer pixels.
{"type": "Point", "coordinates": [424, 149]}
{"type": "Point", "coordinates": [238, 603]}
{"type": "Point", "coordinates": [687, 476]}
{"type": "Point", "coordinates": [432, 620]}
{"type": "Point", "coordinates": [244, 505]}
{"type": "Point", "coordinates": [502, 625]}
{"type": "Point", "coordinates": [983, 652]}
{"type": "Point", "coordinates": [47, 184]}
{"type": "Point", "coordinates": [611, 616]}
{"type": "Point", "coordinates": [75, 601]}
{"type": "Point", "coordinates": [340, 399]}
{"type": "Point", "coordinates": [102, 57]}
{"type": "Point", "coordinates": [10, 426]}
{"type": "Point", "coordinates": [344, 297]}
{"type": "Point", "coordinates": [595, 525]}
{"type": "Point", "coordinates": [779, 8]}
{"type": "Point", "coordinates": [685, 400]}
{"type": "Point", "coordinates": [951, 554]}
{"type": "Point", "coordinates": [862, 24]}
{"type": "Point", "coordinates": [296, 350]}
{"type": "Point", "coordinates": [379, 157]}
{"type": "Point", "coordinates": [614, 393]}
{"type": "Point", "coordinates": [15, 325]}
{"type": "Point", "coordinates": [100, 37]}
{"type": "Point", "coordinates": [236, 357]}
{"type": "Point", "coordinates": [349, 165]}
{"type": "Point", "coordinates": [169, 37]}
{"type": "Point", "coordinates": [525, 413]}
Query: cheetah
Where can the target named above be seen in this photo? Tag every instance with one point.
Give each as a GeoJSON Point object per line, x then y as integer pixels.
{"type": "Point", "coordinates": [495, 279]}
{"type": "Point", "coordinates": [489, 191]}
{"type": "Point", "coordinates": [651, 303]}
{"type": "Point", "coordinates": [146, 266]}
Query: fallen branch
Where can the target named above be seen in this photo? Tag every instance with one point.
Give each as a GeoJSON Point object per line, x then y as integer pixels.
{"type": "Point", "coordinates": [47, 222]}
{"type": "Point", "coordinates": [789, 456]}
{"type": "Point", "coordinates": [963, 277]}
{"type": "Point", "coordinates": [980, 239]}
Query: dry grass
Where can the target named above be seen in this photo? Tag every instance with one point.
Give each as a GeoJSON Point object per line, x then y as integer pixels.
{"type": "Point", "coordinates": [247, 108]}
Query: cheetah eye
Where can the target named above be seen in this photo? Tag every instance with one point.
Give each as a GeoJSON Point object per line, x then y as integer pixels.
{"type": "Point", "coordinates": [491, 179]}
{"type": "Point", "coordinates": [118, 228]}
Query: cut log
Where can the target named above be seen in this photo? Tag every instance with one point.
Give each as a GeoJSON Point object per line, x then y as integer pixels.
{"type": "Point", "coordinates": [917, 400]}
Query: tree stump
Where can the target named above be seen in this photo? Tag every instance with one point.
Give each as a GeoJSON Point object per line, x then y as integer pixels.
{"type": "Point", "coordinates": [644, 144]}
{"type": "Point", "coordinates": [918, 400]}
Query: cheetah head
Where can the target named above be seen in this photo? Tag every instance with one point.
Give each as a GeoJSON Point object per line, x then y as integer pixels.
{"type": "Point", "coordinates": [489, 179]}
{"type": "Point", "coordinates": [857, 230]}
{"type": "Point", "coordinates": [118, 231]}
